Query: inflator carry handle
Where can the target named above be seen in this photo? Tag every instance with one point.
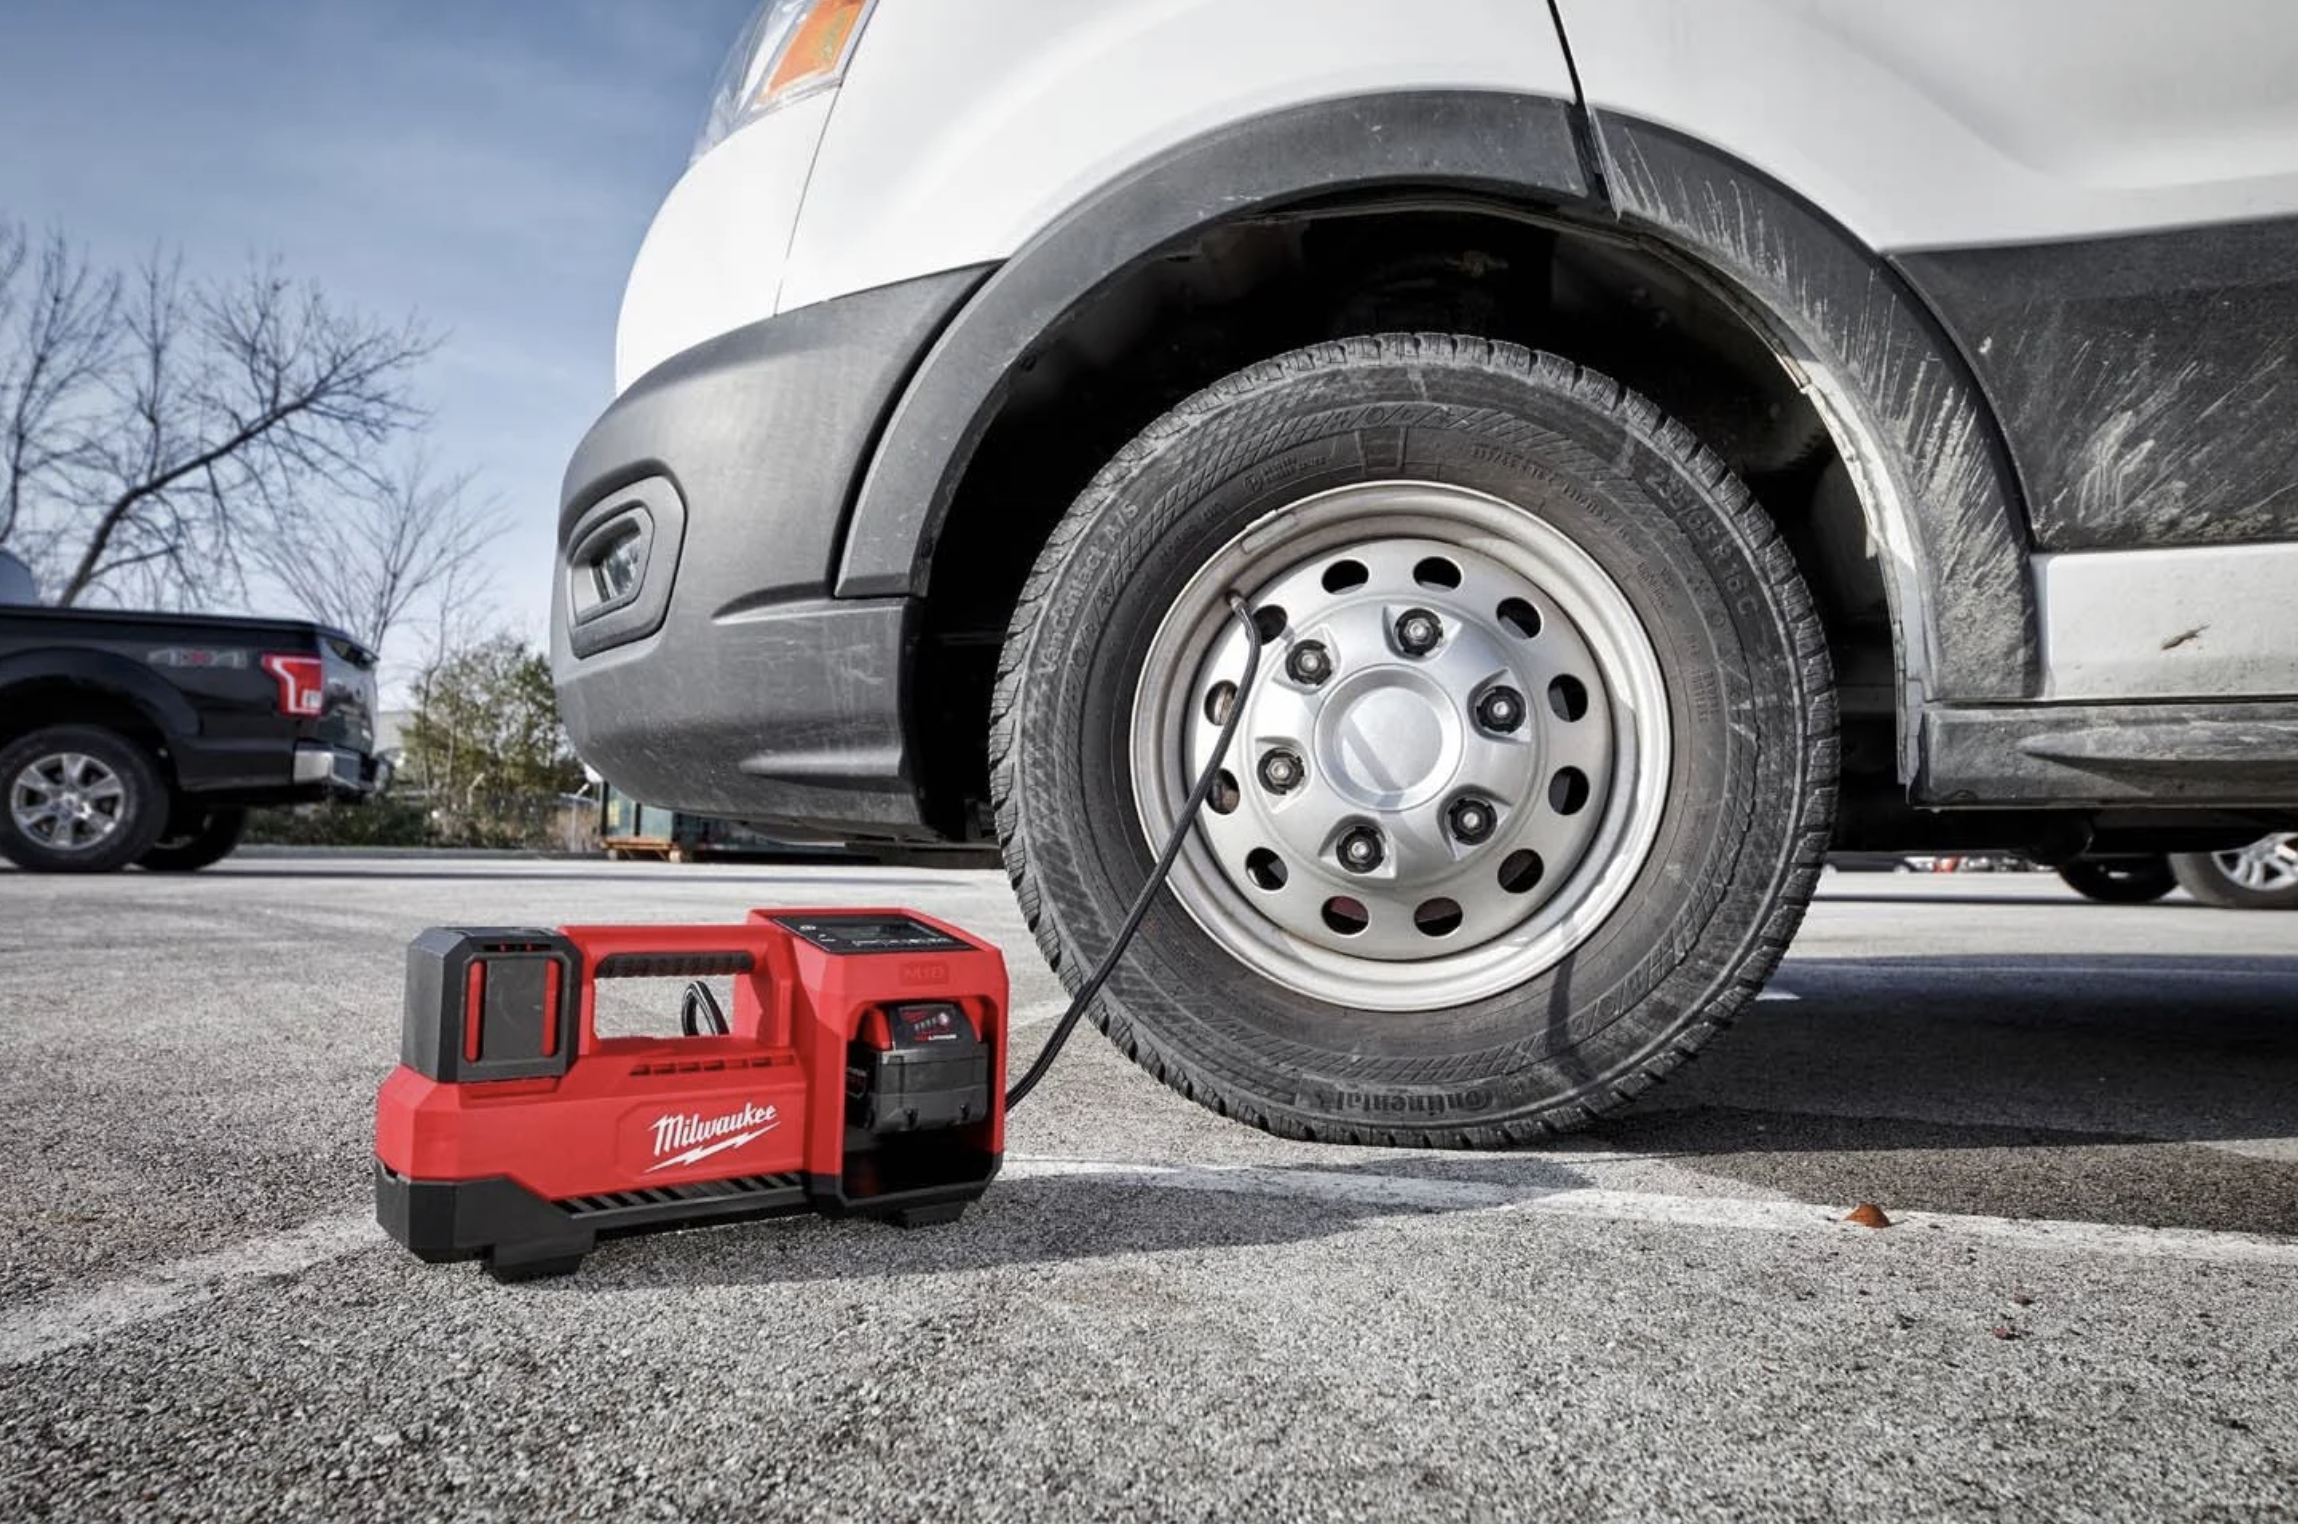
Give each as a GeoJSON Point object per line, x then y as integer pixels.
{"type": "Point", "coordinates": [751, 953]}
{"type": "Point", "coordinates": [670, 952]}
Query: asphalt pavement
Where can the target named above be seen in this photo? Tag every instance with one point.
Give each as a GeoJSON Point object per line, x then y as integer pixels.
{"type": "Point", "coordinates": [2082, 1119]}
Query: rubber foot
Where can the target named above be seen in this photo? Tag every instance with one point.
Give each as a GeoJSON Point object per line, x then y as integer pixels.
{"type": "Point", "coordinates": [512, 1271]}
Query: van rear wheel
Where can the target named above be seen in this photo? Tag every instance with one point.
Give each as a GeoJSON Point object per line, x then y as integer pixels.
{"type": "Point", "coordinates": [1530, 789]}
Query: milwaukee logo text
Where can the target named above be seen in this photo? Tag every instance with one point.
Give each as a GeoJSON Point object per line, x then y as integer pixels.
{"type": "Point", "coordinates": [698, 1137]}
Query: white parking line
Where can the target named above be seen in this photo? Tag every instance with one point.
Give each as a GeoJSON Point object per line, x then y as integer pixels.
{"type": "Point", "coordinates": [62, 1322]}
{"type": "Point", "coordinates": [1419, 1193]}
{"type": "Point", "coordinates": [65, 1321]}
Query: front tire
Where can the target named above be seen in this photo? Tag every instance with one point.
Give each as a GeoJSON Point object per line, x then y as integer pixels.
{"type": "Point", "coordinates": [1668, 774]}
{"type": "Point", "coordinates": [78, 799]}
{"type": "Point", "coordinates": [196, 838]}
{"type": "Point", "coordinates": [2260, 876]}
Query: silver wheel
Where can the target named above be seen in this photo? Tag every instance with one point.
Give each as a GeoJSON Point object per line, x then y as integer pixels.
{"type": "Point", "coordinates": [2268, 865]}
{"type": "Point", "coordinates": [67, 801]}
{"type": "Point", "coordinates": [1450, 768]}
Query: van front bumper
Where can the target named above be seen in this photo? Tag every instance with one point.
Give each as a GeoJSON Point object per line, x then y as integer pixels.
{"type": "Point", "coordinates": [720, 677]}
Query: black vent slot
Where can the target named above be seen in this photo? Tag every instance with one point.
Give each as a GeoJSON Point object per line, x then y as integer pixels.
{"type": "Point", "coordinates": [743, 1193]}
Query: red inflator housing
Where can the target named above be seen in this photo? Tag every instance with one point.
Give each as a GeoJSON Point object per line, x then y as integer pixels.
{"type": "Point", "coordinates": [863, 1074]}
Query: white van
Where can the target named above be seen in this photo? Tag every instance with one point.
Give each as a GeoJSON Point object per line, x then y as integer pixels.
{"type": "Point", "coordinates": [1657, 440]}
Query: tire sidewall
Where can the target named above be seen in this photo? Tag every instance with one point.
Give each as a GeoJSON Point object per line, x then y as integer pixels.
{"type": "Point", "coordinates": [214, 837]}
{"type": "Point", "coordinates": [1741, 708]}
{"type": "Point", "coordinates": [141, 822]}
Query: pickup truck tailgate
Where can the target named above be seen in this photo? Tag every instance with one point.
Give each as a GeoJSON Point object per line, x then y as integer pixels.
{"type": "Point", "coordinates": [347, 714]}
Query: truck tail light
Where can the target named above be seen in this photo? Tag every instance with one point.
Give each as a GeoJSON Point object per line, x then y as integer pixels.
{"type": "Point", "coordinates": [302, 683]}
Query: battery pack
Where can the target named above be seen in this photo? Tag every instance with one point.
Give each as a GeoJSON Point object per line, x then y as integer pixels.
{"type": "Point", "coordinates": [917, 1067]}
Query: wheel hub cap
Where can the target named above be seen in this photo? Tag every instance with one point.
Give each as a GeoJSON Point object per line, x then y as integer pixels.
{"type": "Point", "coordinates": [67, 801]}
{"type": "Point", "coordinates": [2268, 864]}
{"type": "Point", "coordinates": [1391, 741]}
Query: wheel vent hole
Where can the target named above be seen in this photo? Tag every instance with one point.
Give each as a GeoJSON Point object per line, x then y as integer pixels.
{"type": "Point", "coordinates": [1270, 620]}
{"type": "Point", "coordinates": [1437, 918]}
{"type": "Point", "coordinates": [1520, 873]}
{"type": "Point", "coordinates": [1568, 791]}
{"type": "Point", "coordinates": [1436, 572]}
{"type": "Point", "coordinates": [1345, 916]}
{"type": "Point", "coordinates": [1266, 869]}
{"type": "Point", "coordinates": [1343, 575]}
{"type": "Point", "coordinates": [1519, 616]}
{"type": "Point", "coordinates": [1225, 795]}
{"type": "Point", "coordinates": [1219, 702]}
{"type": "Point", "coordinates": [1568, 696]}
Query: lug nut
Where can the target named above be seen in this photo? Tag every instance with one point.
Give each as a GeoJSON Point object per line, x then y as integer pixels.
{"type": "Point", "coordinates": [1282, 772]}
{"type": "Point", "coordinates": [1500, 710]}
{"type": "Point", "coordinates": [1471, 820]}
{"type": "Point", "coordinates": [1361, 850]}
{"type": "Point", "coordinates": [1418, 631]}
{"type": "Point", "coordinates": [1309, 662]}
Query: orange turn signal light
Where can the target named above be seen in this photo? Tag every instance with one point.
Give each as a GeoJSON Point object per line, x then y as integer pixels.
{"type": "Point", "coordinates": [816, 51]}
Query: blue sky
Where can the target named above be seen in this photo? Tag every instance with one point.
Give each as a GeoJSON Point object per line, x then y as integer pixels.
{"type": "Point", "coordinates": [490, 165]}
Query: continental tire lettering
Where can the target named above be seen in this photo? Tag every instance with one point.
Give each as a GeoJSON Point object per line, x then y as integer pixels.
{"type": "Point", "coordinates": [1261, 475]}
{"type": "Point", "coordinates": [1373, 1103]}
{"type": "Point", "coordinates": [1702, 695]}
{"type": "Point", "coordinates": [1488, 455]}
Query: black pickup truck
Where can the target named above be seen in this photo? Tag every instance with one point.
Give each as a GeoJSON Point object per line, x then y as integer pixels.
{"type": "Point", "coordinates": [144, 738]}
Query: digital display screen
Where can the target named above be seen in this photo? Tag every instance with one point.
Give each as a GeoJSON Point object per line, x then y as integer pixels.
{"type": "Point", "coordinates": [871, 934]}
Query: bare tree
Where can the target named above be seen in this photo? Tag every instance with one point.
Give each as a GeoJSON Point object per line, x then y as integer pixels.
{"type": "Point", "coordinates": [364, 563]}
{"type": "Point", "coordinates": [59, 336]}
{"type": "Point", "coordinates": [152, 429]}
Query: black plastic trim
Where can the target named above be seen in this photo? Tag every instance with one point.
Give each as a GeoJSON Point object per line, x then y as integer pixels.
{"type": "Point", "coordinates": [2232, 755]}
{"type": "Point", "coordinates": [511, 1227]}
{"type": "Point", "coordinates": [790, 714]}
{"type": "Point", "coordinates": [446, 1220]}
{"type": "Point", "coordinates": [758, 437]}
{"type": "Point", "coordinates": [2146, 381]}
{"type": "Point", "coordinates": [1517, 145]}
{"type": "Point", "coordinates": [521, 1037]}
{"type": "Point", "coordinates": [497, 1218]}
{"type": "Point", "coordinates": [1848, 310]}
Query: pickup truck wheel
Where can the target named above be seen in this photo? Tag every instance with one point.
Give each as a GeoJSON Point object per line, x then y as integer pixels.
{"type": "Point", "coordinates": [2260, 876]}
{"type": "Point", "coordinates": [2119, 880]}
{"type": "Point", "coordinates": [195, 839]}
{"type": "Point", "coordinates": [1533, 783]}
{"type": "Point", "coordinates": [80, 799]}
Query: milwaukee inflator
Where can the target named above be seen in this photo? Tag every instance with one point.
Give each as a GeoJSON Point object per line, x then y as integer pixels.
{"type": "Point", "coordinates": [860, 1072]}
